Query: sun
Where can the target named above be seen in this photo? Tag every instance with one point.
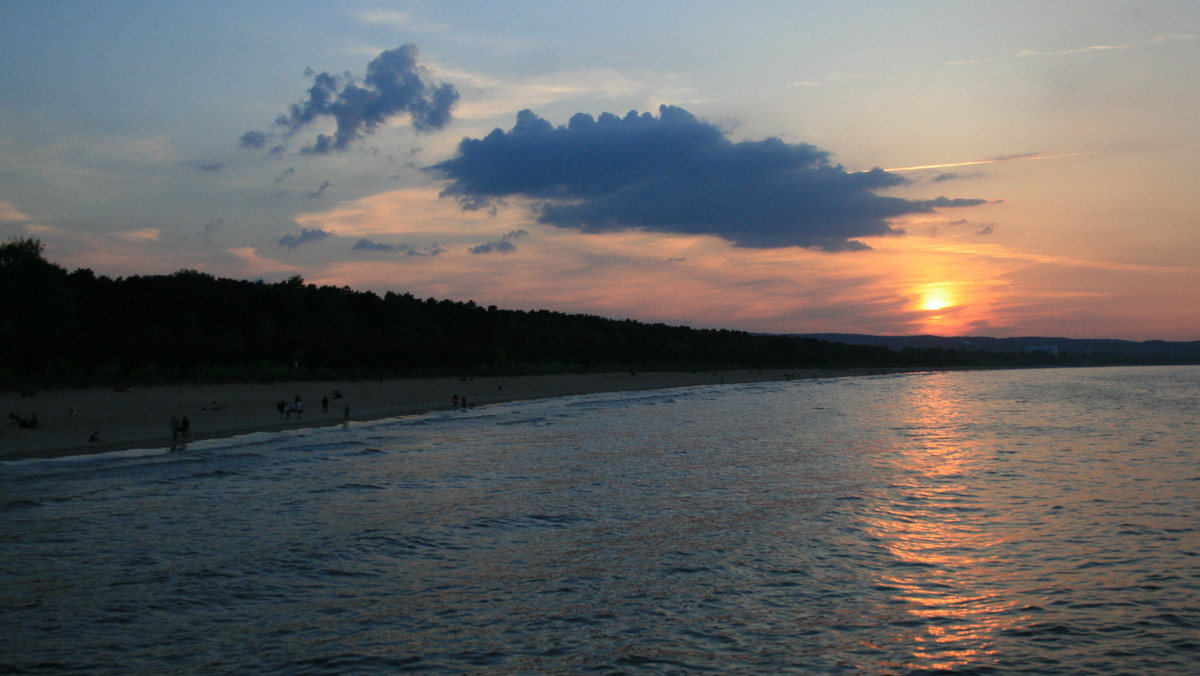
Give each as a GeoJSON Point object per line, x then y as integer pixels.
{"type": "Point", "coordinates": [935, 301]}
{"type": "Point", "coordinates": [934, 297]}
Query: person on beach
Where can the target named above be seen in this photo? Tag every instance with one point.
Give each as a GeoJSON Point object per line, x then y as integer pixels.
{"type": "Point", "coordinates": [464, 402]}
{"type": "Point", "coordinates": [26, 423]}
{"type": "Point", "coordinates": [324, 404]}
{"type": "Point", "coordinates": [174, 427]}
{"type": "Point", "coordinates": [185, 427]}
{"type": "Point", "coordinates": [299, 407]}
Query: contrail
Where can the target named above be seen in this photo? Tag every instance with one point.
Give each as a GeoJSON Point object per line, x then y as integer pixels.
{"type": "Point", "coordinates": [990, 160]}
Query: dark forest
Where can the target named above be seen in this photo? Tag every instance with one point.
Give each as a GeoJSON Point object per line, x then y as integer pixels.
{"type": "Point", "coordinates": [61, 328]}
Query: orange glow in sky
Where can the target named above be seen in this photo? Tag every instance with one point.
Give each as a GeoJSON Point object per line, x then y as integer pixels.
{"type": "Point", "coordinates": [1042, 181]}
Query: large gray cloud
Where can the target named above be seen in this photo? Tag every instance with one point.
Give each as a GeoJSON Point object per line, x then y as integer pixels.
{"type": "Point", "coordinates": [674, 173]}
{"type": "Point", "coordinates": [394, 85]}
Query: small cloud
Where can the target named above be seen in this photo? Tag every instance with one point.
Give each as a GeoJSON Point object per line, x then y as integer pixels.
{"type": "Point", "coordinates": [986, 229]}
{"type": "Point", "coordinates": [305, 236]}
{"type": "Point", "coordinates": [947, 203]}
{"type": "Point", "coordinates": [948, 176]}
{"type": "Point", "coordinates": [9, 213]}
{"type": "Point", "coordinates": [383, 17]}
{"type": "Point", "coordinates": [407, 250]}
{"type": "Point", "coordinates": [256, 264]}
{"type": "Point", "coordinates": [394, 85]}
{"type": "Point", "coordinates": [285, 175]}
{"type": "Point", "coordinates": [253, 139]}
{"type": "Point", "coordinates": [502, 245]}
{"type": "Point", "coordinates": [316, 194]}
{"type": "Point", "coordinates": [212, 228]}
{"type": "Point", "coordinates": [143, 235]}
{"type": "Point", "coordinates": [215, 166]}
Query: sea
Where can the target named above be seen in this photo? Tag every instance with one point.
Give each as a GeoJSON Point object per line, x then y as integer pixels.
{"type": "Point", "coordinates": [1042, 521]}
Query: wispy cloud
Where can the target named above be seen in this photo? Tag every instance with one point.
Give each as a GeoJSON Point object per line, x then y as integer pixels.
{"type": "Point", "coordinates": [990, 160]}
{"type": "Point", "coordinates": [9, 213]}
{"type": "Point", "coordinates": [316, 194]}
{"type": "Point", "coordinates": [406, 249]}
{"type": "Point", "coordinates": [502, 245]}
{"type": "Point", "coordinates": [143, 235]}
{"type": "Point", "coordinates": [1160, 40]}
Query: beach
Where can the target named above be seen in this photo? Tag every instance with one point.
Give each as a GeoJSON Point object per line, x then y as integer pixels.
{"type": "Point", "coordinates": [140, 417]}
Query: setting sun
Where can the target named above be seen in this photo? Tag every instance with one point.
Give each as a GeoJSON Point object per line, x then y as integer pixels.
{"type": "Point", "coordinates": [934, 301]}
{"type": "Point", "coordinates": [936, 297]}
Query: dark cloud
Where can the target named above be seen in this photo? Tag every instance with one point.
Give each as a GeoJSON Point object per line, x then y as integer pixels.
{"type": "Point", "coordinates": [947, 203]}
{"type": "Point", "coordinates": [368, 245]}
{"type": "Point", "coordinates": [394, 85]}
{"type": "Point", "coordinates": [502, 245]}
{"type": "Point", "coordinates": [305, 236]}
{"type": "Point", "coordinates": [253, 139]}
{"type": "Point", "coordinates": [316, 194]}
{"type": "Point", "coordinates": [950, 176]}
{"type": "Point", "coordinates": [211, 167]}
{"type": "Point", "coordinates": [286, 173]}
{"type": "Point", "coordinates": [212, 229]}
{"type": "Point", "coordinates": [677, 174]}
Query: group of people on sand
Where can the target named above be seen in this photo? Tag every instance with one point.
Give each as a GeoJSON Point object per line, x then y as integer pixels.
{"type": "Point", "coordinates": [296, 406]}
{"type": "Point", "coordinates": [180, 428]}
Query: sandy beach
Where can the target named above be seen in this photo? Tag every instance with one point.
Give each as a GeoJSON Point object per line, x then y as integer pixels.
{"type": "Point", "coordinates": [140, 417]}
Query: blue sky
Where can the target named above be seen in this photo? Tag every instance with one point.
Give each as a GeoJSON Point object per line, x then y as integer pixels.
{"type": "Point", "coordinates": [1036, 161]}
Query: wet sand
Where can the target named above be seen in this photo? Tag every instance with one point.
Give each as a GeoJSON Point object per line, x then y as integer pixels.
{"type": "Point", "coordinates": [140, 417]}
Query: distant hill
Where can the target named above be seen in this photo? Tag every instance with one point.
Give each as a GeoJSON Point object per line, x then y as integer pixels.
{"type": "Point", "coordinates": [1150, 349]}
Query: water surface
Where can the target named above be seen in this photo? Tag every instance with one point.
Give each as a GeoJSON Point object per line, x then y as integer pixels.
{"type": "Point", "coordinates": [1038, 521]}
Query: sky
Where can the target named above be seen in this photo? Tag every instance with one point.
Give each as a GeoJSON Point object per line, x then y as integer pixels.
{"type": "Point", "coordinates": [960, 168]}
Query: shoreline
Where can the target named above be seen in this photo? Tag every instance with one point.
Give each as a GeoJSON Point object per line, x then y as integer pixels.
{"type": "Point", "coordinates": [140, 417]}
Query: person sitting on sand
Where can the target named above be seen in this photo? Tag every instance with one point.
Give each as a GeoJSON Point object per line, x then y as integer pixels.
{"type": "Point", "coordinates": [95, 438]}
{"type": "Point", "coordinates": [27, 423]}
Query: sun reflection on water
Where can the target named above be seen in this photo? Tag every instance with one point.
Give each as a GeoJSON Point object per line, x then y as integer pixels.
{"type": "Point", "coordinates": [950, 572]}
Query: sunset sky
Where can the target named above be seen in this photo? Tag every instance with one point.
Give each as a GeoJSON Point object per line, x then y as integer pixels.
{"type": "Point", "coordinates": [953, 168]}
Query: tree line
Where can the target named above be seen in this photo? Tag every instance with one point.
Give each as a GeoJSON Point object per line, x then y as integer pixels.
{"type": "Point", "coordinates": [79, 328]}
